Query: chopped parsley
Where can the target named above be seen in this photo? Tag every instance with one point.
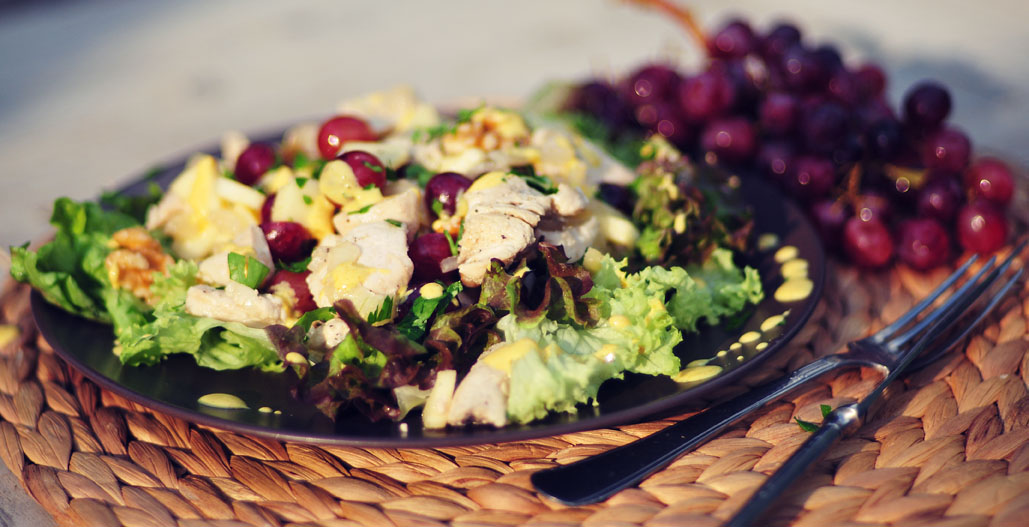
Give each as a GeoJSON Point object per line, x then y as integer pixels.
{"type": "Point", "coordinates": [384, 313]}
{"type": "Point", "coordinates": [394, 223]}
{"type": "Point", "coordinates": [362, 210]}
{"type": "Point", "coordinates": [419, 173]}
{"type": "Point", "coordinates": [301, 181]}
{"type": "Point", "coordinates": [368, 186]}
{"type": "Point", "coordinates": [321, 314]}
{"type": "Point", "coordinates": [437, 207]}
{"type": "Point", "coordinates": [432, 132]}
{"type": "Point", "coordinates": [464, 115]}
{"type": "Point", "coordinates": [808, 426]}
{"type": "Point", "coordinates": [534, 180]}
{"type": "Point", "coordinates": [373, 168]}
{"type": "Point", "coordinates": [300, 162]}
{"type": "Point", "coordinates": [423, 310]}
{"type": "Point", "coordinates": [452, 242]}
{"type": "Point", "coordinates": [294, 267]}
{"type": "Point", "coordinates": [246, 270]}
{"type": "Point", "coordinates": [308, 200]}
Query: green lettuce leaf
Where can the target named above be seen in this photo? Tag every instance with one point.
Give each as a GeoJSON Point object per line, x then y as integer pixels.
{"type": "Point", "coordinates": [69, 271]}
{"type": "Point", "coordinates": [146, 338]}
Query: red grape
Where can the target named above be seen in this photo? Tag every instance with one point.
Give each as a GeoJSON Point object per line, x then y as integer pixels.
{"type": "Point", "coordinates": [867, 243]}
{"type": "Point", "coordinates": [781, 38]}
{"type": "Point", "coordinates": [923, 243]}
{"type": "Point", "coordinates": [775, 159]}
{"type": "Point", "coordinates": [991, 179]}
{"type": "Point", "coordinates": [873, 204]}
{"type": "Point", "coordinates": [253, 162]}
{"type": "Point", "coordinates": [707, 95]}
{"type": "Point", "coordinates": [871, 81]}
{"type": "Point", "coordinates": [367, 168]}
{"type": "Point", "coordinates": [668, 121]}
{"type": "Point", "coordinates": [735, 40]}
{"type": "Point", "coordinates": [266, 208]}
{"type": "Point", "coordinates": [804, 70]}
{"type": "Point", "coordinates": [825, 127]}
{"type": "Point", "coordinates": [884, 139]}
{"type": "Point", "coordinates": [940, 199]}
{"type": "Point", "coordinates": [829, 216]}
{"type": "Point", "coordinates": [843, 86]}
{"type": "Point", "coordinates": [446, 188]}
{"type": "Point", "coordinates": [981, 227]}
{"type": "Point", "coordinates": [618, 196]}
{"type": "Point", "coordinates": [926, 105]}
{"type": "Point", "coordinates": [651, 83]}
{"type": "Point", "coordinates": [813, 177]}
{"type": "Point", "coordinates": [289, 241]}
{"type": "Point", "coordinates": [778, 113]}
{"type": "Point", "coordinates": [427, 252]}
{"type": "Point", "coordinates": [297, 282]}
{"type": "Point", "coordinates": [732, 139]}
{"type": "Point", "coordinates": [340, 129]}
{"type": "Point", "coordinates": [947, 150]}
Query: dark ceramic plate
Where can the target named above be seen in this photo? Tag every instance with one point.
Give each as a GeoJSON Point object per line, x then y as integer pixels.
{"type": "Point", "coordinates": [174, 386]}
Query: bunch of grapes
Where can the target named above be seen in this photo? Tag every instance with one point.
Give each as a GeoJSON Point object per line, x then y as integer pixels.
{"type": "Point", "coordinates": [877, 183]}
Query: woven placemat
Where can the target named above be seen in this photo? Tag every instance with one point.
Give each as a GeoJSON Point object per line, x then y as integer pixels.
{"type": "Point", "coordinates": [950, 446]}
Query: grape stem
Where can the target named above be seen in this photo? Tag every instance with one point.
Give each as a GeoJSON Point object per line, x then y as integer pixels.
{"type": "Point", "coordinates": [680, 15]}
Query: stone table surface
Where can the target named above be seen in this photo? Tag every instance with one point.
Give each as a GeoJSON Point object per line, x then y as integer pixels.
{"type": "Point", "coordinates": [94, 92]}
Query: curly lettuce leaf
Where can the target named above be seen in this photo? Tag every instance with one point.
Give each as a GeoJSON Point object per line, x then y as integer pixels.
{"type": "Point", "coordinates": [69, 271]}
{"type": "Point", "coordinates": [147, 338]}
{"type": "Point", "coordinates": [542, 286]}
{"type": "Point", "coordinates": [683, 213]}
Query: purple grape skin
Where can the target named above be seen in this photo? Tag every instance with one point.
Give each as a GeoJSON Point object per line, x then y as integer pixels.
{"type": "Point", "coordinates": [426, 253]}
{"type": "Point", "coordinates": [779, 39]}
{"type": "Point", "coordinates": [947, 150]}
{"type": "Point", "coordinates": [825, 127]}
{"type": "Point", "coordinates": [651, 83]}
{"type": "Point", "coordinates": [926, 105]}
{"type": "Point", "coordinates": [288, 241]}
{"type": "Point", "coordinates": [778, 113]}
{"type": "Point", "coordinates": [253, 162]}
{"type": "Point", "coordinates": [445, 188]}
{"type": "Point", "coordinates": [731, 139]}
{"type": "Point", "coordinates": [940, 199]}
{"type": "Point", "coordinates": [734, 40]}
{"type": "Point", "coordinates": [829, 217]}
{"type": "Point", "coordinates": [705, 96]}
{"type": "Point", "coordinates": [884, 139]}
{"type": "Point", "coordinates": [813, 177]}
{"type": "Point", "coordinates": [775, 159]}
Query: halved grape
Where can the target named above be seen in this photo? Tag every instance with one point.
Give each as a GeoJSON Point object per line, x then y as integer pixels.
{"type": "Point", "coordinates": [445, 188]}
{"type": "Point", "coordinates": [266, 208]}
{"type": "Point", "coordinates": [367, 168]}
{"type": "Point", "coordinates": [427, 252]}
{"type": "Point", "coordinates": [297, 282]}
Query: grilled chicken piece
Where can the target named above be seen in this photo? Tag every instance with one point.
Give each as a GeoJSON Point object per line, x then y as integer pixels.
{"type": "Point", "coordinates": [574, 234]}
{"type": "Point", "coordinates": [365, 265]}
{"type": "Point", "coordinates": [481, 398]}
{"type": "Point", "coordinates": [214, 269]}
{"type": "Point", "coordinates": [503, 213]}
{"type": "Point", "coordinates": [327, 335]}
{"type": "Point", "coordinates": [407, 207]}
{"type": "Point", "coordinates": [235, 303]}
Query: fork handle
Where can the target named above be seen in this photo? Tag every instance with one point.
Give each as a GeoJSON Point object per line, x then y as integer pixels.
{"type": "Point", "coordinates": [595, 478]}
{"type": "Point", "coordinates": [835, 425]}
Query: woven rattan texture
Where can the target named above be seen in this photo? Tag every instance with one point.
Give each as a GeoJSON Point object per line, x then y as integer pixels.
{"type": "Point", "coordinates": [950, 446]}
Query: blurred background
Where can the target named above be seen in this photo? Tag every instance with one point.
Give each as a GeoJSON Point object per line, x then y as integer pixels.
{"type": "Point", "coordinates": [93, 93]}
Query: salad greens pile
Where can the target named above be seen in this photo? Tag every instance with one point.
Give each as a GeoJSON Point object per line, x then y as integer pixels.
{"type": "Point", "coordinates": [588, 321]}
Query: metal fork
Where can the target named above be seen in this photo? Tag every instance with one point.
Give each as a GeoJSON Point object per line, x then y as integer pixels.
{"type": "Point", "coordinates": [890, 350]}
